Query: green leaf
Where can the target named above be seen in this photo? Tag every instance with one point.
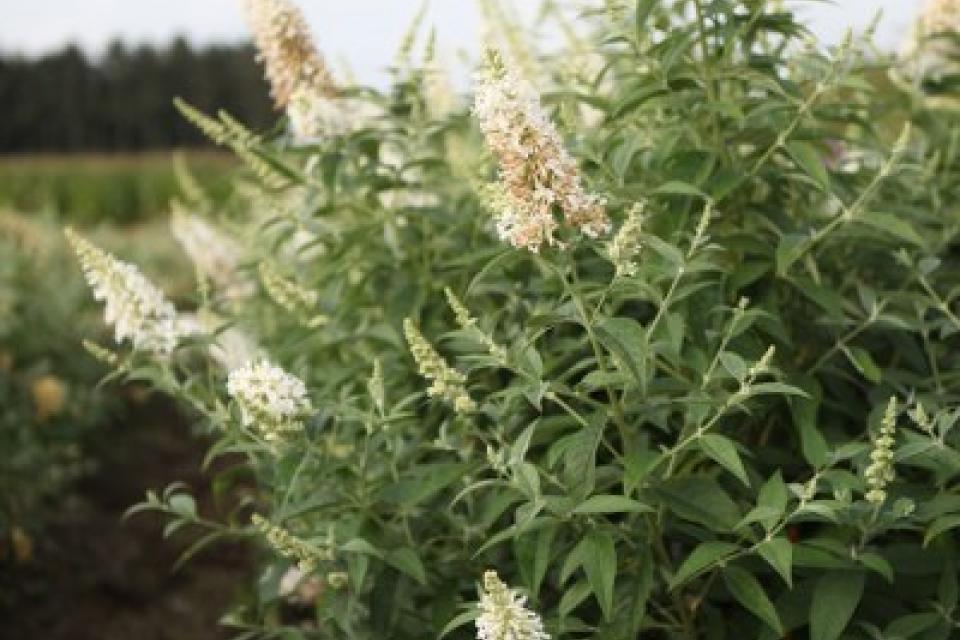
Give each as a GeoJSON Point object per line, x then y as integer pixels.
{"type": "Point", "coordinates": [406, 560]}
{"type": "Point", "coordinates": [706, 555]}
{"type": "Point", "coordinates": [680, 188]}
{"type": "Point", "coordinates": [573, 597]}
{"type": "Point", "coordinates": [777, 388]}
{"type": "Point", "coordinates": [878, 564]}
{"type": "Point", "coordinates": [748, 592]}
{"type": "Point", "coordinates": [423, 483]}
{"type": "Point", "coordinates": [941, 525]}
{"type": "Point", "coordinates": [610, 504]}
{"type": "Point", "coordinates": [459, 621]}
{"type": "Point", "coordinates": [790, 248]}
{"type": "Point", "coordinates": [643, 10]}
{"type": "Point", "coordinates": [911, 624]}
{"type": "Point", "coordinates": [359, 545]}
{"type": "Point", "coordinates": [625, 339]}
{"type": "Point", "coordinates": [541, 559]}
{"type": "Point", "coordinates": [892, 224]}
{"type": "Point", "coordinates": [700, 500]}
{"type": "Point", "coordinates": [835, 598]}
{"type": "Point", "coordinates": [600, 565]}
{"type": "Point", "coordinates": [863, 362]}
{"type": "Point", "coordinates": [812, 443]}
{"type": "Point", "coordinates": [580, 458]}
{"type": "Point", "coordinates": [722, 450]}
{"type": "Point", "coordinates": [778, 552]}
{"type": "Point", "coordinates": [809, 158]}
{"type": "Point", "coordinates": [644, 586]}
{"type": "Point", "coordinates": [774, 496]}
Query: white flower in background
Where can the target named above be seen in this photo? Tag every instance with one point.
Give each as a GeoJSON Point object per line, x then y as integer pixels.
{"type": "Point", "coordinates": [270, 399]}
{"type": "Point", "coordinates": [503, 613]}
{"type": "Point", "coordinates": [137, 309]}
{"type": "Point", "coordinates": [215, 254]}
{"type": "Point", "coordinates": [314, 116]}
{"type": "Point", "coordinates": [299, 588]}
{"type": "Point", "coordinates": [939, 17]}
{"type": "Point", "coordinates": [928, 49]}
{"type": "Point", "coordinates": [537, 175]}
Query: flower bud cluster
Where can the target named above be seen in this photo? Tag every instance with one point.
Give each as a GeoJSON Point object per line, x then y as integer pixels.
{"type": "Point", "coordinates": [308, 556]}
{"type": "Point", "coordinates": [468, 322]}
{"type": "Point", "coordinates": [291, 296]}
{"type": "Point", "coordinates": [880, 472]}
{"type": "Point", "coordinates": [446, 382]}
{"type": "Point", "coordinates": [625, 245]}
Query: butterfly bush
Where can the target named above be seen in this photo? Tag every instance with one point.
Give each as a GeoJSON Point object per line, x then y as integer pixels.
{"type": "Point", "coordinates": [270, 399]}
{"type": "Point", "coordinates": [503, 613]}
{"type": "Point", "coordinates": [537, 175]}
{"type": "Point", "coordinates": [299, 77]}
{"type": "Point", "coordinates": [614, 341]}
{"type": "Point", "coordinates": [216, 255]}
{"type": "Point", "coordinates": [135, 307]}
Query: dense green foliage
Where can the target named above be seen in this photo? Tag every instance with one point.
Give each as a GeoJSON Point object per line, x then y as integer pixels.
{"type": "Point", "coordinates": [85, 189]}
{"type": "Point", "coordinates": [66, 101]}
{"type": "Point", "coordinates": [733, 420]}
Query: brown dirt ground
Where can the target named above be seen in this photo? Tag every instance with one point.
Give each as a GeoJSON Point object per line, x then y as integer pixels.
{"type": "Point", "coordinates": [95, 576]}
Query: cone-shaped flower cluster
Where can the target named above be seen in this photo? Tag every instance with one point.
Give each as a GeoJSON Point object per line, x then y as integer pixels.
{"type": "Point", "coordinates": [287, 50]}
{"type": "Point", "coordinates": [137, 309]}
{"type": "Point", "coordinates": [538, 177]}
{"type": "Point", "coordinates": [299, 77]}
{"type": "Point", "coordinates": [939, 17]}
{"type": "Point", "coordinates": [504, 615]}
{"type": "Point", "coordinates": [291, 296]}
{"type": "Point", "coordinates": [446, 382]}
{"type": "Point", "coordinates": [880, 472]}
{"type": "Point", "coordinates": [929, 48]}
{"type": "Point", "coordinates": [270, 399]}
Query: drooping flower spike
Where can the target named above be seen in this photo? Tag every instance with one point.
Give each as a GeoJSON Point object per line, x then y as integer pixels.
{"type": "Point", "coordinates": [215, 254]}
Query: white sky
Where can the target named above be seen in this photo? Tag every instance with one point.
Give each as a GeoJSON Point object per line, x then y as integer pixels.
{"type": "Point", "coordinates": [364, 32]}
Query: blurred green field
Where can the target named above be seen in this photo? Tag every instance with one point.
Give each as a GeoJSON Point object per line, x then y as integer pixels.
{"type": "Point", "coordinates": [117, 188]}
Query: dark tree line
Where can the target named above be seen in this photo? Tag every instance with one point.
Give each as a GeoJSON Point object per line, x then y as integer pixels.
{"type": "Point", "coordinates": [122, 101]}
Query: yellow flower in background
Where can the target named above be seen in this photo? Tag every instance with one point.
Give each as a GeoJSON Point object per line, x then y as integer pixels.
{"type": "Point", "coordinates": [6, 361]}
{"type": "Point", "coordinates": [22, 545]}
{"type": "Point", "coordinates": [49, 396]}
